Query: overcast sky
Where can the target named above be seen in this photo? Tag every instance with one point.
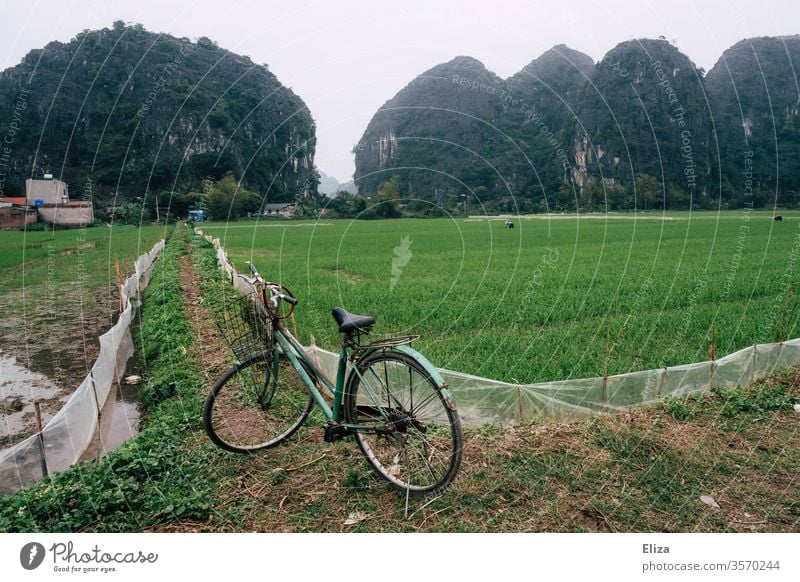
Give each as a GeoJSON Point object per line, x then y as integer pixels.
{"type": "Point", "coordinates": [346, 58]}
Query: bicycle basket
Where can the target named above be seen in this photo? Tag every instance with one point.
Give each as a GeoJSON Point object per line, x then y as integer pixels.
{"type": "Point", "coordinates": [245, 325]}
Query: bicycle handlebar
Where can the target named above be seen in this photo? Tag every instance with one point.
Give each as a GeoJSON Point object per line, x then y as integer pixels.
{"type": "Point", "coordinates": [275, 289]}
{"type": "Point", "coordinates": [253, 270]}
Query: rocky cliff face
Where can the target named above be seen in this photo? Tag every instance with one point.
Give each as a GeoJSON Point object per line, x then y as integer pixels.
{"type": "Point", "coordinates": [128, 110]}
{"type": "Point", "coordinates": [644, 112]}
{"type": "Point", "coordinates": [756, 105]}
{"type": "Point", "coordinates": [460, 128]}
{"type": "Point", "coordinates": [563, 125]}
{"type": "Point", "coordinates": [553, 82]}
{"type": "Point", "coordinates": [550, 87]}
{"type": "Point", "coordinates": [438, 130]}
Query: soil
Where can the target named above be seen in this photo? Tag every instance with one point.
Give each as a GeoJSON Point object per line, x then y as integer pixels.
{"type": "Point", "coordinates": [59, 338]}
{"type": "Point", "coordinates": [210, 352]}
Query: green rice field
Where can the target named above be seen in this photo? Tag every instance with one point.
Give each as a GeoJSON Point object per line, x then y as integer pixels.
{"type": "Point", "coordinates": [28, 258]}
{"type": "Point", "coordinates": [553, 298]}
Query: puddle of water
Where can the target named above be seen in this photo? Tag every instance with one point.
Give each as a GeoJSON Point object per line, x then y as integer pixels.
{"type": "Point", "coordinates": [119, 419]}
{"type": "Point", "coordinates": [19, 387]}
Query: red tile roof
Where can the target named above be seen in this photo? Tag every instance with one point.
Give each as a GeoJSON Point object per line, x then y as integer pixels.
{"type": "Point", "coordinates": [21, 201]}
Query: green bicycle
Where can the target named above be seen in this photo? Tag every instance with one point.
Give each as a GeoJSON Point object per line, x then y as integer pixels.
{"type": "Point", "coordinates": [392, 400]}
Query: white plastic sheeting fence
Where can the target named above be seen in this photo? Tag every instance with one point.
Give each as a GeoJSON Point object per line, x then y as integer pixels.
{"type": "Point", "coordinates": [65, 438]}
{"type": "Point", "coordinates": [485, 401]}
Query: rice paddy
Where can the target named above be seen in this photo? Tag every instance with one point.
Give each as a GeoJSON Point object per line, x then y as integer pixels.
{"type": "Point", "coordinates": [553, 298]}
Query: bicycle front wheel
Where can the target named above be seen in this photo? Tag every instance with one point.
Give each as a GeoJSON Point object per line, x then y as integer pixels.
{"type": "Point", "coordinates": [407, 431]}
{"type": "Point", "coordinates": [257, 404]}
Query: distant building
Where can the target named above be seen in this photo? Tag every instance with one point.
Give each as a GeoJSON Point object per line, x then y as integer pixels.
{"type": "Point", "coordinates": [13, 215]}
{"type": "Point", "coordinates": [51, 199]}
{"type": "Point", "coordinates": [48, 191]}
{"type": "Point", "coordinates": [13, 201]}
{"type": "Point", "coordinates": [285, 209]}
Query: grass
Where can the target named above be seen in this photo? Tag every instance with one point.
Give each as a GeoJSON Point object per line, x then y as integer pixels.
{"type": "Point", "coordinates": [636, 472]}
{"type": "Point", "coordinates": [639, 471]}
{"type": "Point", "coordinates": [88, 253]}
{"type": "Point", "coordinates": [551, 299]}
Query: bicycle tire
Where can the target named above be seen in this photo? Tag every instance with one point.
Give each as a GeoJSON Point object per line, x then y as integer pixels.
{"type": "Point", "coordinates": [406, 436]}
{"type": "Point", "coordinates": [245, 414]}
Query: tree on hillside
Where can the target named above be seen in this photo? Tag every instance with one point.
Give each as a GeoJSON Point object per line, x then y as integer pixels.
{"type": "Point", "coordinates": [389, 197]}
{"type": "Point", "coordinates": [649, 193]}
{"type": "Point", "coordinates": [227, 201]}
{"type": "Point", "coordinates": [593, 195]}
{"type": "Point", "coordinates": [347, 205]}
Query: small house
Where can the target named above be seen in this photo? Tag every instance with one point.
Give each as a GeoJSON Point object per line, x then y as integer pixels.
{"type": "Point", "coordinates": [50, 197]}
{"type": "Point", "coordinates": [15, 213]}
{"type": "Point", "coordinates": [285, 209]}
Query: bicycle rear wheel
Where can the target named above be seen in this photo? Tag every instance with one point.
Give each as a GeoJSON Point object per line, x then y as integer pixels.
{"type": "Point", "coordinates": [409, 434]}
{"type": "Point", "coordinates": [257, 404]}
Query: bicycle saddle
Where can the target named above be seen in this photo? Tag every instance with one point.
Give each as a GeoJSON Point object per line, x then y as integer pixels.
{"type": "Point", "coordinates": [351, 322]}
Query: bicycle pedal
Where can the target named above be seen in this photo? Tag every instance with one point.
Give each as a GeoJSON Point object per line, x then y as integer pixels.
{"type": "Point", "coordinates": [336, 432]}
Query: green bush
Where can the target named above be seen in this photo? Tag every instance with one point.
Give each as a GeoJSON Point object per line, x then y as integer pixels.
{"type": "Point", "coordinates": [37, 227]}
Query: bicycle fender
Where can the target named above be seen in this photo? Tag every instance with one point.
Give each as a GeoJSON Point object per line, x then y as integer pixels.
{"type": "Point", "coordinates": [431, 369]}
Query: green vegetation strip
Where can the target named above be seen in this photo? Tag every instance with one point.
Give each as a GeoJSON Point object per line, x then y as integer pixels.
{"type": "Point", "coordinates": [162, 475]}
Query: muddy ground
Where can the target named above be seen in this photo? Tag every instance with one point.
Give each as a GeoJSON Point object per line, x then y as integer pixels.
{"type": "Point", "coordinates": [53, 334]}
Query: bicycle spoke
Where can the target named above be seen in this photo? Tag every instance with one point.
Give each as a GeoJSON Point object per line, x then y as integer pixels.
{"type": "Point", "coordinates": [419, 450]}
{"type": "Point", "coordinates": [388, 396]}
{"type": "Point", "coordinates": [253, 408]}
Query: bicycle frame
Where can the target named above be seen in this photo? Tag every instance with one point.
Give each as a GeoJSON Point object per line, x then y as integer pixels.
{"type": "Point", "coordinates": [407, 429]}
{"type": "Point", "coordinates": [296, 354]}
{"type": "Point", "coordinates": [292, 349]}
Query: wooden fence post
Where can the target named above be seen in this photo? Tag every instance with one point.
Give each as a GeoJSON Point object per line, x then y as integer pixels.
{"type": "Point", "coordinates": [40, 431]}
{"type": "Point", "coordinates": [94, 391]}
{"type": "Point", "coordinates": [712, 348]}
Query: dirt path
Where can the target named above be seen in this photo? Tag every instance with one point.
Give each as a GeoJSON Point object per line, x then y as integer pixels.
{"type": "Point", "coordinates": [210, 352]}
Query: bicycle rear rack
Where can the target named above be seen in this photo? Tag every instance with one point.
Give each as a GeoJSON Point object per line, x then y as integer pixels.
{"type": "Point", "coordinates": [354, 341]}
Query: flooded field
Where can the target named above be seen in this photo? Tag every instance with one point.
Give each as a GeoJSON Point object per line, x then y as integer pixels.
{"type": "Point", "coordinates": [19, 388]}
{"type": "Point", "coordinates": [60, 293]}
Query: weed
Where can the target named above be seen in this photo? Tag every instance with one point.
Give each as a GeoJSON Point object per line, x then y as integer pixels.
{"type": "Point", "coordinates": [679, 408]}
